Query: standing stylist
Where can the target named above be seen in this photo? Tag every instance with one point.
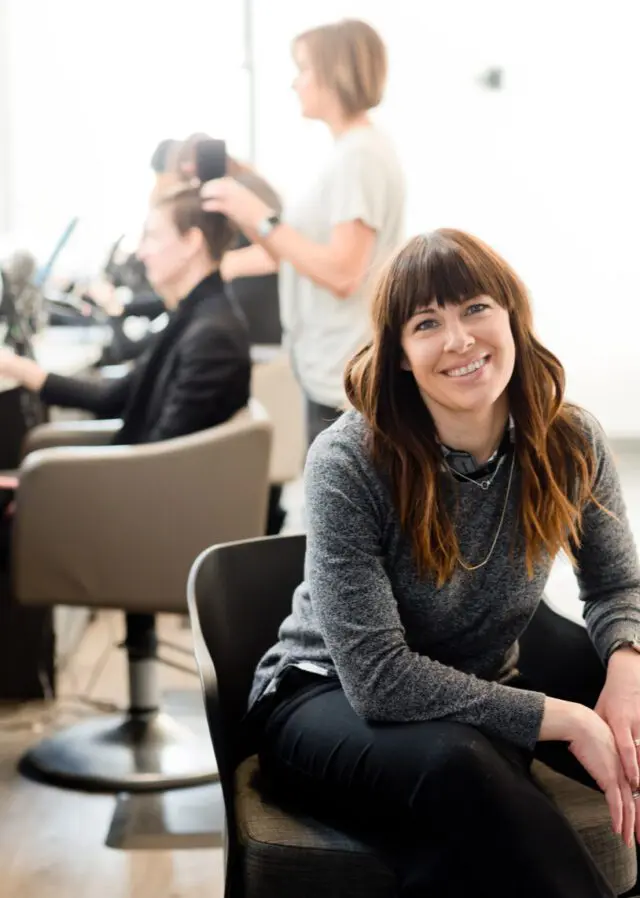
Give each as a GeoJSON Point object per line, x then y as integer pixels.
{"type": "Point", "coordinates": [344, 226]}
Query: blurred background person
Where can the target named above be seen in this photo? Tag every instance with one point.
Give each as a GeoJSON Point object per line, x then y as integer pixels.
{"type": "Point", "coordinates": [197, 373]}
{"type": "Point", "coordinates": [346, 224]}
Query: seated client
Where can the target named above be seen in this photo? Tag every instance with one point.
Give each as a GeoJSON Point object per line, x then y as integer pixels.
{"type": "Point", "coordinates": [391, 703]}
{"type": "Point", "coordinates": [197, 373]}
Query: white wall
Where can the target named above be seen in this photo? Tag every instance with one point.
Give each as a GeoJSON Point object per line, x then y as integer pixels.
{"type": "Point", "coordinates": [547, 169]}
{"type": "Point", "coordinates": [5, 151]}
{"type": "Point", "coordinates": [94, 87]}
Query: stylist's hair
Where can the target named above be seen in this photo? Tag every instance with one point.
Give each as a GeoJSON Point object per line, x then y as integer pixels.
{"type": "Point", "coordinates": [350, 58]}
{"type": "Point", "coordinates": [185, 204]}
{"type": "Point", "coordinates": [555, 454]}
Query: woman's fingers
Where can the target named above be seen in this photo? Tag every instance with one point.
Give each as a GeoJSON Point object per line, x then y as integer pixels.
{"type": "Point", "coordinates": [613, 797]}
{"type": "Point", "coordinates": [215, 189]}
{"type": "Point", "coordinates": [628, 751]}
{"type": "Point", "coordinates": [212, 206]}
{"type": "Point", "coordinates": [629, 811]}
{"type": "Point", "coordinates": [213, 196]}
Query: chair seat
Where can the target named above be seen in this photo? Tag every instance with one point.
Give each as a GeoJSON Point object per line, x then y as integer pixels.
{"type": "Point", "coordinates": [588, 813]}
{"type": "Point", "coordinates": [295, 854]}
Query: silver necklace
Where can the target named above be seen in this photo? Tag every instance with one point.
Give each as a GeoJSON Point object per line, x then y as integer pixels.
{"type": "Point", "coordinates": [475, 567]}
{"type": "Point", "coordinates": [483, 484]}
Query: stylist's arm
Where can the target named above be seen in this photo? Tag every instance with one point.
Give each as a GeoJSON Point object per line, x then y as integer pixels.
{"type": "Point", "coordinates": [339, 266]}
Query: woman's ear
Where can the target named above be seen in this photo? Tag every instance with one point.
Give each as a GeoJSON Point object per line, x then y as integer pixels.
{"type": "Point", "coordinates": [195, 240]}
{"type": "Point", "coordinates": [404, 363]}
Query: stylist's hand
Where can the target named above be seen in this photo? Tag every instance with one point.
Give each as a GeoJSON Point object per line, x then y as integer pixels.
{"type": "Point", "coordinates": [234, 200]}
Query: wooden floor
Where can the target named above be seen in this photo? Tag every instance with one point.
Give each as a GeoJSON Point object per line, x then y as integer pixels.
{"type": "Point", "coordinates": [52, 841]}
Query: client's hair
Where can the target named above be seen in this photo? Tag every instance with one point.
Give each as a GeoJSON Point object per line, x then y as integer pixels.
{"type": "Point", "coordinates": [162, 155]}
{"type": "Point", "coordinates": [185, 204]}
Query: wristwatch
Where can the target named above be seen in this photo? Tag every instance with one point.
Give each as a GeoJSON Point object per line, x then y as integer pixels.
{"type": "Point", "coordinates": [624, 644]}
{"type": "Point", "coordinates": [266, 226]}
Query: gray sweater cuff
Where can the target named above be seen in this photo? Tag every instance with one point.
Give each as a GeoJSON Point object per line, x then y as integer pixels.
{"type": "Point", "coordinates": [610, 638]}
{"type": "Point", "coordinates": [518, 714]}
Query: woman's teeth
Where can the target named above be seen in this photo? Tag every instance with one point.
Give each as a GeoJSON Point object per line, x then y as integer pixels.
{"type": "Point", "coordinates": [468, 369]}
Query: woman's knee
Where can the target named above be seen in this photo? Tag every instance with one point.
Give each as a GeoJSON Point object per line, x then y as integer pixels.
{"type": "Point", "coordinates": [468, 762]}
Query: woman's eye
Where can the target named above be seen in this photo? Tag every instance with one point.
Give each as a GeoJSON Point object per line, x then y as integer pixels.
{"type": "Point", "coordinates": [426, 324]}
{"type": "Point", "coordinates": [477, 307]}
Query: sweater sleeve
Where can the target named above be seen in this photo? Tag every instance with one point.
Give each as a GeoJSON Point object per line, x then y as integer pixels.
{"type": "Point", "coordinates": [104, 398]}
{"type": "Point", "coordinates": [352, 597]}
{"type": "Point", "coordinates": [607, 558]}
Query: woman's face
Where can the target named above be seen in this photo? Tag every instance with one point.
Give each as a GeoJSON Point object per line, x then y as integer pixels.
{"type": "Point", "coordinates": [167, 254]}
{"type": "Point", "coordinates": [462, 356]}
{"type": "Point", "coordinates": [312, 95]}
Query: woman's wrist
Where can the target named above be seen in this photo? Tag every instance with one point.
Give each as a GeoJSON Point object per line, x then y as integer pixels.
{"type": "Point", "coordinates": [563, 721]}
{"type": "Point", "coordinates": [623, 654]}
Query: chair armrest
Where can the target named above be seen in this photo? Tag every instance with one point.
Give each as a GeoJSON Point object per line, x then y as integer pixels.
{"type": "Point", "coordinates": [71, 433]}
{"type": "Point", "coordinates": [119, 526]}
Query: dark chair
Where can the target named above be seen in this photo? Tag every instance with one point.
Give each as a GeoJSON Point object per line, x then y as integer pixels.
{"type": "Point", "coordinates": [238, 594]}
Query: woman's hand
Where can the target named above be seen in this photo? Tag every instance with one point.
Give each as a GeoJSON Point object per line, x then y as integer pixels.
{"type": "Point", "coordinates": [25, 371]}
{"type": "Point", "coordinates": [592, 742]}
{"type": "Point", "coordinates": [595, 748]}
{"type": "Point", "coordinates": [619, 707]}
{"type": "Point", "coordinates": [237, 202]}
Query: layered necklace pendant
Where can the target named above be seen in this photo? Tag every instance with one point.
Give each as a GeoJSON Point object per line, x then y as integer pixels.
{"type": "Point", "coordinates": [485, 484]}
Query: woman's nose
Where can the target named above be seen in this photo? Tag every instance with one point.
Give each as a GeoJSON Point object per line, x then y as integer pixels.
{"type": "Point", "coordinates": [458, 338]}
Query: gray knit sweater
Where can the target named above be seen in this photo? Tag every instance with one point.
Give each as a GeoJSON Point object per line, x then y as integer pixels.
{"type": "Point", "coordinates": [405, 650]}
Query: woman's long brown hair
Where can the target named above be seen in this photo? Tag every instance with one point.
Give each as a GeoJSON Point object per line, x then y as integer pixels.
{"type": "Point", "coordinates": [555, 455]}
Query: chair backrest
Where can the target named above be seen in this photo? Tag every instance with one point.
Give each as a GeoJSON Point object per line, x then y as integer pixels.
{"type": "Point", "coordinates": [238, 595]}
{"type": "Point", "coordinates": [274, 386]}
{"type": "Point", "coordinates": [174, 498]}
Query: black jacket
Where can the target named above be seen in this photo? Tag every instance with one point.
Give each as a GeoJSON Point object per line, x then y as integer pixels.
{"type": "Point", "coordinates": [196, 375]}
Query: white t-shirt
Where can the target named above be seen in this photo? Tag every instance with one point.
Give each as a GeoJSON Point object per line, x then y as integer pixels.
{"type": "Point", "coordinates": [362, 180]}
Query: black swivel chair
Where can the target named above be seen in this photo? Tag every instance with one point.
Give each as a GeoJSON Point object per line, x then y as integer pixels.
{"type": "Point", "coordinates": [238, 594]}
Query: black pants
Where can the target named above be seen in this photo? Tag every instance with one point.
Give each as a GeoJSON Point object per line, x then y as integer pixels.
{"type": "Point", "coordinates": [455, 812]}
{"type": "Point", "coordinates": [319, 417]}
{"type": "Point", "coordinates": [276, 514]}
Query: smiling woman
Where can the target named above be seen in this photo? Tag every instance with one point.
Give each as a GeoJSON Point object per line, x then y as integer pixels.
{"type": "Point", "coordinates": [434, 510]}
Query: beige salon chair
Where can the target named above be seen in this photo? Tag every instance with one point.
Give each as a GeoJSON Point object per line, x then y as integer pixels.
{"type": "Point", "coordinates": [274, 386]}
{"type": "Point", "coordinates": [119, 527]}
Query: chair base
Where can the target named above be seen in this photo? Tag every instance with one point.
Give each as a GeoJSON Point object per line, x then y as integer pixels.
{"type": "Point", "coordinates": [140, 753]}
